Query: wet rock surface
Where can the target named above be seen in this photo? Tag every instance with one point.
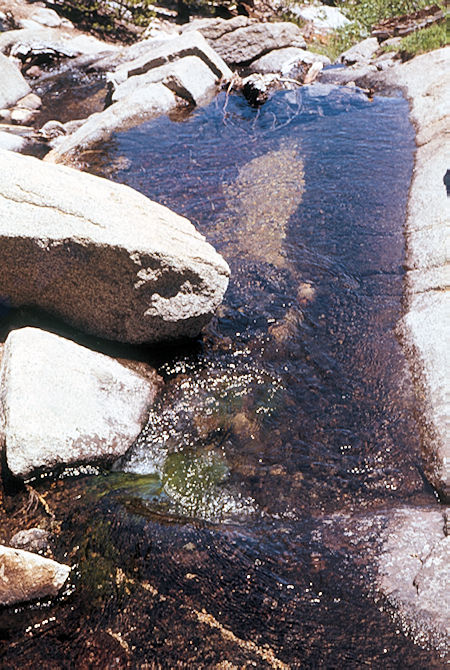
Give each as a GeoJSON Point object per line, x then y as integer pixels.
{"type": "Point", "coordinates": [425, 81]}
{"type": "Point", "coordinates": [413, 569]}
{"type": "Point", "coordinates": [406, 551]}
{"type": "Point", "coordinates": [82, 406]}
{"type": "Point", "coordinates": [36, 540]}
{"type": "Point", "coordinates": [26, 576]}
{"type": "Point", "coordinates": [141, 105]}
{"type": "Point", "coordinates": [81, 260]}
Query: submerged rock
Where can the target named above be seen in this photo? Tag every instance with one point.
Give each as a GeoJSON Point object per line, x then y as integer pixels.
{"type": "Point", "coordinates": [25, 576]}
{"type": "Point", "coordinates": [12, 84]}
{"type": "Point", "coordinates": [33, 539]}
{"type": "Point", "coordinates": [267, 191]}
{"type": "Point", "coordinates": [112, 263]}
{"type": "Point", "coordinates": [81, 406]}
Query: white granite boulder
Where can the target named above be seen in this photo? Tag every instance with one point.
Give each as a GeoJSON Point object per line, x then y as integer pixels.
{"type": "Point", "coordinates": [426, 325]}
{"type": "Point", "coordinates": [189, 78]}
{"type": "Point", "coordinates": [246, 41]}
{"type": "Point", "coordinates": [62, 404]}
{"type": "Point", "coordinates": [101, 256]}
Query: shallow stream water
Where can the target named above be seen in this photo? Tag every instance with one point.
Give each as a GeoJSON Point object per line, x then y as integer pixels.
{"type": "Point", "coordinates": [207, 546]}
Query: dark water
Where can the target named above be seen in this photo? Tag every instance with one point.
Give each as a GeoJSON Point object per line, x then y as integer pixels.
{"type": "Point", "coordinates": [206, 547]}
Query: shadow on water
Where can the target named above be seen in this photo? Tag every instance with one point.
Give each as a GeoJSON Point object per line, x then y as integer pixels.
{"type": "Point", "coordinates": [203, 548]}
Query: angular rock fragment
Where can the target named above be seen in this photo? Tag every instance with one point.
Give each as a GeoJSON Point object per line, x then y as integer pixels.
{"type": "Point", "coordinates": [25, 576]}
{"type": "Point", "coordinates": [362, 52]}
{"type": "Point", "coordinates": [189, 78]}
{"type": "Point", "coordinates": [244, 45]}
{"type": "Point", "coordinates": [12, 84]}
{"type": "Point", "coordinates": [166, 51]}
{"type": "Point", "coordinates": [111, 263]}
{"type": "Point", "coordinates": [62, 404]}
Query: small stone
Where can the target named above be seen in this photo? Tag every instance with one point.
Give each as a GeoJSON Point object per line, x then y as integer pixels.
{"type": "Point", "coordinates": [362, 52]}
{"type": "Point", "coordinates": [21, 116]}
{"type": "Point", "coordinates": [52, 129]}
{"type": "Point", "coordinates": [313, 72]}
{"type": "Point", "coordinates": [25, 576]}
{"type": "Point", "coordinates": [30, 101]}
{"type": "Point", "coordinates": [36, 540]}
{"type": "Point", "coordinates": [34, 72]}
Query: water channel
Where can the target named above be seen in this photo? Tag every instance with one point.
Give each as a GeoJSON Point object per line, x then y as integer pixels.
{"type": "Point", "coordinates": [207, 546]}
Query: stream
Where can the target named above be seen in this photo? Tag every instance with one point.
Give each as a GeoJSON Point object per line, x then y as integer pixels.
{"type": "Point", "coordinates": [220, 539]}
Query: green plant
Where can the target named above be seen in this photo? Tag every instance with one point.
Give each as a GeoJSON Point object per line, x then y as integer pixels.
{"type": "Point", "coordinates": [366, 13]}
{"type": "Point", "coordinates": [107, 16]}
{"type": "Point", "coordinates": [427, 39]}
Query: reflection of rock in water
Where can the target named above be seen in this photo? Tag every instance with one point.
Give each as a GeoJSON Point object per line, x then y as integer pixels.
{"type": "Point", "coordinates": [265, 194]}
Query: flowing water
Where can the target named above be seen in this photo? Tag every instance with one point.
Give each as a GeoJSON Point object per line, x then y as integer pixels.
{"type": "Point", "coordinates": [216, 540]}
